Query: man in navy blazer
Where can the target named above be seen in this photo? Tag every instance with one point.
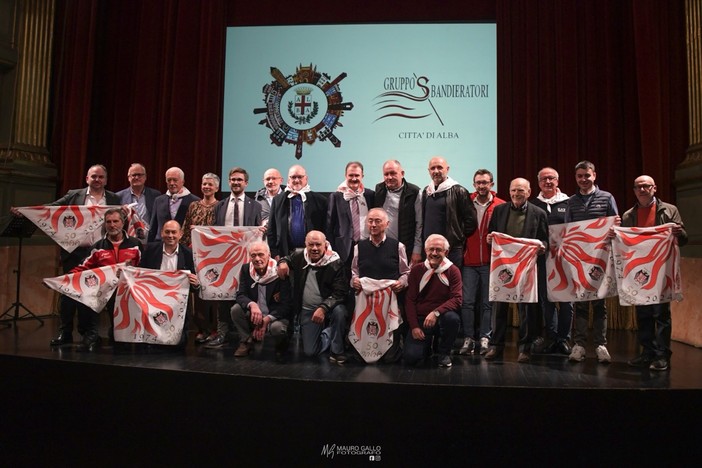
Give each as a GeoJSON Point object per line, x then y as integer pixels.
{"type": "Point", "coordinates": [235, 210]}
{"type": "Point", "coordinates": [347, 213]}
{"type": "Point", "coordinates": [171, 205]}
{"type": "Point", "coordinates": [169, 255]}
{"type": "Point", "coordinates": [248, 212]}
{"type": "Point", "coordinates": [294, 213]}
{"type": "Point", "coordinates": [138, 192]}
{"type": "Point", "coordinates": [519, 218]}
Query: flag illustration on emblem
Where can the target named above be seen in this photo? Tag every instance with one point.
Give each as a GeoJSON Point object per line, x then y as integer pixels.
{"type": "Point", "coordinates": [150, 306]}
{"type": "Point", "coordinates": [513, 268]}
{"type": "Point", "coordinates": [90, 287]}
{"type": "Point", "coordinates": [647, 264]}
{"type": "Point", "coordinates": [219, 252]}
{"type": "Point", "coordinates": [579, 265]}
{"type": "Point", "coordinates": [375, 317]}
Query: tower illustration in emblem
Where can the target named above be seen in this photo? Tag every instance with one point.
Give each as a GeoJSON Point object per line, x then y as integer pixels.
{"type": "Point", "coordinates": [303, 107]}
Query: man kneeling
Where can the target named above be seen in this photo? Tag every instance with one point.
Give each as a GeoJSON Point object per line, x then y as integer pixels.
{"type": "Point", "coordinates": [262, 302]}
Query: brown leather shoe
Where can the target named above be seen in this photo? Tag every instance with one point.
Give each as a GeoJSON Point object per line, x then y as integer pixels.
{"type": "Point", "coordinates": [244, 348]}
{"type": "Point", "coordinates": [494, 353]}
{"type": "Point", "coordinates": [523, 357]}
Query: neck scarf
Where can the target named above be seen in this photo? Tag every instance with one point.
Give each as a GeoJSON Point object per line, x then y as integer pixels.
{"type": "Point", "coordinates": [445, 264]}
{"type": "Point", "coordinates": [270, 274]}
{"type": "Point", "coordinates": [443, 186]}
{"type": "Point", "coordinates": [328, 257]}
{"type": "Point", "coordinates": [300, 192]}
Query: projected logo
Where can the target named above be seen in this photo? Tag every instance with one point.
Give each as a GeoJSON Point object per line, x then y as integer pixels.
{"type": "Point", "coordinates": [303, 108]}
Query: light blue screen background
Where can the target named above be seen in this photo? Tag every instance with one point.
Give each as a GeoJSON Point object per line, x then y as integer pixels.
{"type": "Point", "coordinates": [462, 54]}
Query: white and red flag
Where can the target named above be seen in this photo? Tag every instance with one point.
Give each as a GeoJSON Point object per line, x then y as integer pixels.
{"type": "Point", "coordinates": [513, 269]}
{"type": "Point", "coordinates": [579, 266]}
{"type": "Point", "coordinates": [219, 252]}
{"type": "Point", "coordinates": [647, 261]}
{"type": "Point", "coordinates": [150, 306]}
{"type": "Point", "coordinates": [375, 317]}
{"type": "Point", "coordinates": [68, 225]}
{"type": "Point", "coordinates": [90, 287]}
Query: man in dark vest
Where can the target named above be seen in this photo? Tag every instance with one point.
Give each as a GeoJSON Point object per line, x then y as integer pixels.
{"type": "Point", "coordinates": [381, 257]}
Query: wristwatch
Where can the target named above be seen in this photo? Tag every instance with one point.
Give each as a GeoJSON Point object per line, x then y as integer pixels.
{"type": "Point", "coordinates": [436, 313]}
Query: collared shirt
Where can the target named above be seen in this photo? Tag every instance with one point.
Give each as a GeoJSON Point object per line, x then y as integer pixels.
{"type": "Point", "coordinates": [229, 217]}
{"type": "Point", "coordinates": [169, 261]}
{"type": "Point", "coordinates": [392, 208]}
{"type": "Point", "coordinates": [140, 205]}
{"type": "Point", "coordinates": [90, 200]}
{"type": "Point", "coordinates": [404, 267]}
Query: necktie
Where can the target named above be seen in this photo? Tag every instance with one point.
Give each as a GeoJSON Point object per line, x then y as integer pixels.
{"type": "Point", "coordinates": [356, 219]}
{"type": "Point", "coordinates": [297, 222]}
{"type": "Point", "coordinates": [236, 211]}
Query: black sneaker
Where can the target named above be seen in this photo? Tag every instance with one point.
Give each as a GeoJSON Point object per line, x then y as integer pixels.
{"type": "Point", "coordinates": [445, 360]}
{"type": "Point", "coordinates": [640, 361]}
{"type": "Point", "coordinates": [661, 364]}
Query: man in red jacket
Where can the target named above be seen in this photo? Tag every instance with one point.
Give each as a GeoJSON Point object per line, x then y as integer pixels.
{"type": "Point", "coordinates": [116, 247]}
{"type": "Point", "coordinates": [476, 266]}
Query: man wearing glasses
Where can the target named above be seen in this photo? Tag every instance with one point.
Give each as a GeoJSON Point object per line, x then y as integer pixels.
{"type": "Point", "coordinates": [138, 192]}
{"type": "Point", "coordinates": [476, 267]}
{"type": "Point", "coordinates": [653, 320]}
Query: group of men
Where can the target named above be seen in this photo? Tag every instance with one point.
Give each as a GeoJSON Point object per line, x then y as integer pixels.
{"type": "Point", "coordinates": [441, 282]}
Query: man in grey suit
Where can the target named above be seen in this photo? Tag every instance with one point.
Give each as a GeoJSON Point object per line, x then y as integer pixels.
{"type": "Point", "coordinates": [235, 210]}
{"type": "Point", "coordinates": [138, 192]}
{"type": "Point", "coordinates": [347, 213]}
{"type": "Point", "coordinates": [171, 205]}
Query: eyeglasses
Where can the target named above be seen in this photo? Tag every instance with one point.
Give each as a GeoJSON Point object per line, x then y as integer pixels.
{"type": "Point", "coordinates": [643, 187]}
{"type": "Point", "coordinates": [140, 174]}
{"type": "Point", "coordinates": [481, 182]}
{"type": "Point", "coordinates": [547, 178]}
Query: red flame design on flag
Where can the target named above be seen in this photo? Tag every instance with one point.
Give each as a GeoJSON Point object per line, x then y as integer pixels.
{"type": "Point", "coordinates": [374, 304]}
{"type": "Point", "coordinates": [142, 292]}
{"type": "Point", "coordinates": [571, 252]}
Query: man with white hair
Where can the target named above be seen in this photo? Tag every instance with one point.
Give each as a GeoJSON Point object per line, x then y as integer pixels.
{"type": "Point", "coordinates": [171, 205]}
{"type": "Point", "coordinates": [262, 302]}
{"type": "Point", "coordinates": [519, 218]}
{"type": "Point", "coordinates": [432, 304]}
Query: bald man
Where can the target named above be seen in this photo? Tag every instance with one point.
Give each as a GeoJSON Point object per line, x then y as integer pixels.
{"type": "Point", "coordinates": [518, 218]}
{"type": "Point", "coordinates": [446, 209]}
{"type": "Point", "coordinates": [653, 320]}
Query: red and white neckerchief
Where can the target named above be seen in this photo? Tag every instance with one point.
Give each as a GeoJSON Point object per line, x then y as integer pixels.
{"type": "Point", "coordinates": [328, 257]}
{"type": "Point", "coordinates": [292, 192]}
{"type": "Point", "coordinates": [445, 264]}
{"type": "Point", "coordinates": [270, 274]}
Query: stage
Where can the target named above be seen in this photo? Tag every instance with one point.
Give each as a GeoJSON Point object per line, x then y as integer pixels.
{"type": "Point", "coordinates": [141, 405]}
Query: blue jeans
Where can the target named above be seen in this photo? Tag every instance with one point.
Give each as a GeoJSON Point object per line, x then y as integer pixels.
{"type": "Point", "coordinates": [445, 331]}
{"type": "Point", "coordinates": [317, 338]}
{"type": "Point", "coordinates": [654, 330]}
{"type": "Point", "coordinates": [558, 321]}
{"type": "Point", "coordinates": [476, 280]}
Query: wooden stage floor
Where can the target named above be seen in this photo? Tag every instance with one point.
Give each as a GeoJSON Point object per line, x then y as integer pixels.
{"type": "Point", "coordinates": [202, 406]}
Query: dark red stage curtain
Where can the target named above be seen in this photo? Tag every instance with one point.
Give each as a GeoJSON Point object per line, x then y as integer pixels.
{"type": "Point", "coordinates": [597, 80]}
{"type": "Point", "coordinates": [153, 73]}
